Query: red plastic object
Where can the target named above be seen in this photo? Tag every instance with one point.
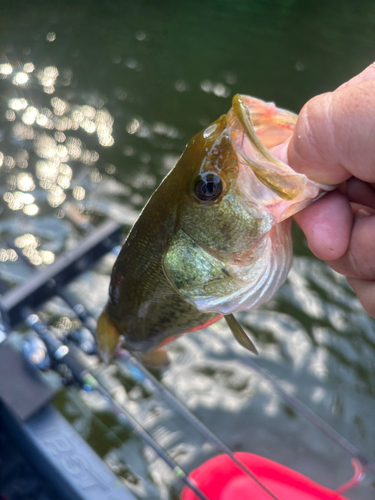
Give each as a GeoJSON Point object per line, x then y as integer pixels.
{"type": "Point", "coordinates": [221, 479]}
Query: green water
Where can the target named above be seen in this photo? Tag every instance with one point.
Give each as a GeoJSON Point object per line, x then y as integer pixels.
{"type": "Point", "coordinates": [98, 100]}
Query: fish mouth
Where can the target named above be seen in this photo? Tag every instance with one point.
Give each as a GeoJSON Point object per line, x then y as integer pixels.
{"type": "Point", "coordinates": [257, 129]}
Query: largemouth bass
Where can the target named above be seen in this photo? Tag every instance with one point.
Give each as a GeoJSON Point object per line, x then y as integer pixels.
{"type": "Point", "coordinates": [215, 236]}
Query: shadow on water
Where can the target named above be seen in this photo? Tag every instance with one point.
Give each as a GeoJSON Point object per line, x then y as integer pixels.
{"type": "Point", "coordinates": [98, 100]}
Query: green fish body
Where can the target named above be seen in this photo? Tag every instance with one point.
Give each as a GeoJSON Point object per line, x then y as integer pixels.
{"type": "Point", "coordinates": [213, 238]}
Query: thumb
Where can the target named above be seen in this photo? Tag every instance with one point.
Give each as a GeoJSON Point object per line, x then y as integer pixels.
{"type": "Point", "coordinates": [334, 135]}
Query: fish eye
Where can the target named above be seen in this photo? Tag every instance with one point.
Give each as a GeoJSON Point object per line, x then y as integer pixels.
{"type": "Point", "coordinates": [208, 187]}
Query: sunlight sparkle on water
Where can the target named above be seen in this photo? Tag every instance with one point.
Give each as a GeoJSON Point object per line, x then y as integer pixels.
{"type": "Point", "coordinates": [21, 158]}
{"type": "Point", "coordinates": [59, 106]}
{"type": "Point", "coordinates": [51, 37]}
{"type": "Point", "coordinates": [45, 146]}
{"type": "Point", "coordinates": [42, 120]}
{"type": "Point", "coordinates": [20, 78]}
{"type": "Point", "coordinates": [59, 136]}
{"type": "Point", "coordinates": [30, 115]}
{"type": "Point", "coordinates": [33, 255]}
{"type": "Point", "coordinates": [56, 196]}
{"type": "Point", "coordinates": [47, 256]}
{"type": "Point", "coordinates": [27, 240]}
{"type": "Point", "coordinates": [9, 254]}
{"type": "Point", "coordinates": [47, 78]}
{"type": "Point", "coordinates": [39, 131]}
{"type": "Point", "coordinates": [28, 67]}
{"type": "Point", "coordinates": [9, 161]}
{"type": "Point", "coordinates": [6, 69]}
{"type": "Point", "coordinates": [29, 244]}
{"type": "Point", "coordinates": [47, 170]}
{"type": "Point", "coordinates": [22, 132]}
{"type": "Point", "coordinates": [25, 182]}
{"type": "Point", "coordinates": [88, 126]}
{"type": "Point", "coordinates": [17, 200]}
{"type": "Point", "coordinates": [79, 193]}
{"type": "Point", "coordinates": [219, 89]}
{"type": "Point", "coordinates": [31, 209]}
{"type": "Point", "coordinates": [10, 115]}
{"type": "Point", "coordinates": [64, 123]}
{"type": "Point", "coordinates": [17, 103]}
{"type": "Point", "coordinates": [132, 126]}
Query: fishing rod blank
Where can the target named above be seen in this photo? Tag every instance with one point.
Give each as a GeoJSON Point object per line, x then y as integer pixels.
{"type": "Point", "coordinates": [61, 354]}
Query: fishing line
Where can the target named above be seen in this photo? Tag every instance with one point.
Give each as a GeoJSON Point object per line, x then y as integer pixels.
{"type": "Point", "coordinates": [61, 354]}
{"type": "Point", "coordinates": [301, 408]}
{"type": "Point", "coordinates": [175, 402]}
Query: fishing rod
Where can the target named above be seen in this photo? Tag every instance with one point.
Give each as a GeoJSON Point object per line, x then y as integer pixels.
{"type": "Point", "coordinates": [124, 355]}
{"type": "Point", "coordinates": [90, 324]}
{"type": "Point", "coordinates": [60, 353]}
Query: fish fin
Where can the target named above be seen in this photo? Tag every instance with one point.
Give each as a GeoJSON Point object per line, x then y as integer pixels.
{"type": "Point", "coordinates": [239, 333]}
{"type": "Point", "coordinates": [107, 337]}
{"type": "Point", "coordinates": [277, 176]}
{"type": "Point", "coordinates": [156, 359]}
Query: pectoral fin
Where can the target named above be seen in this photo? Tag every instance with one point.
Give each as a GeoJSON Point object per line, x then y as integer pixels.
{"type": "Point", "coordinates": [107, 337]}
{"type": "Point", "coordinates": [274, 174]}
{"type": "Point", "coordinates": [239, 334]}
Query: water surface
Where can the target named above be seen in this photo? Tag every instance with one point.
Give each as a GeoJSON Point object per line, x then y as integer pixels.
{"type": "Point", "coordinates": [98, 100]}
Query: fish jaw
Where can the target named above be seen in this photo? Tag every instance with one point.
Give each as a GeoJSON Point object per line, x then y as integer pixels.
{"type": "Point", "coordinates": [257, 128]}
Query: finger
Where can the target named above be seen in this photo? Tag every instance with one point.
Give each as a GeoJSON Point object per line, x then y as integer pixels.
{"type": "Point", "coordinates": [327, 224]}
{"type": "Point", "coordinates": [281, 151]}
{"type": "Point", "coordinates": [358, 262]}
{"type": "Point", "coordinates": [364, 76]}
{"type": "Point", "coordinates": [360, 192]}
{"type": "Point", "coordinates": [365, 291]}
{"type": "Point", "coordinates": [334, 136]}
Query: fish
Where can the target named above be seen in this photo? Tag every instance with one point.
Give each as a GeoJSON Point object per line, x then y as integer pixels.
{"type": "Point", "coordinates": [214, 238]}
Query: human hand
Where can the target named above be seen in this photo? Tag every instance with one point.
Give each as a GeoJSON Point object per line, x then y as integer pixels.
{"type": "Point", "coordinates": [334, 143]}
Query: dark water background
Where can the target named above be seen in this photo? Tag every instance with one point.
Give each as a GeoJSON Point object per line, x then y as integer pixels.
{"type": "Point", "coordinates": [98, 100]}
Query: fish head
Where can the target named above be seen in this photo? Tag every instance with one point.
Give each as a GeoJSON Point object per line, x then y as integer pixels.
{"type": "Point", "coordinates": [231, 246]}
